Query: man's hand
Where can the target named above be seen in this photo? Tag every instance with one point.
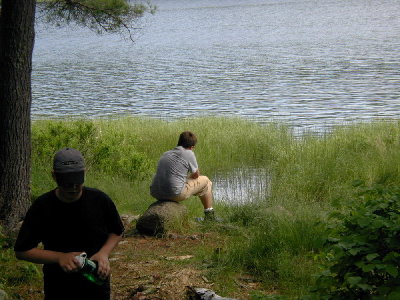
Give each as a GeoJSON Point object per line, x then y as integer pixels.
{"type": "Point", "coordinates": [103, 263]}
{"type": "Point", "coordinates": [195, 174]}
{"type": "Point", "coordinates": [102, 256]}
{"type": "Point", "coordinates": [68, 262]}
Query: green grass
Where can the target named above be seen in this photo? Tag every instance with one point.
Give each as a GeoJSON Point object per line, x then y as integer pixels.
{"type": "Point", "coordinates": [278, 235]}
{"type": "Point", "coordinates": [15, 274]}
{"type": "Point", "coordinates": [322, 169]}
{"type": "Point", "coordinates": [122, 154]}
{"type": "Point", "coordinates": [278, 246]}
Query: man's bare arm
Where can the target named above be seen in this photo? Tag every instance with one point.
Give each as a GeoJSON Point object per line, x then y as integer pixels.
{"type": "Point", "coordinates": [67, 261]}
{"type": "Point", "coordinates": [102, 256]}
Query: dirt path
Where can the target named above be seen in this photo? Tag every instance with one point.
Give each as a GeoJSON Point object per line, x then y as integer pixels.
{"type": "Point", "coordinates": [150, 268]}
{"type": "Point", "coordinates": [162, 268]}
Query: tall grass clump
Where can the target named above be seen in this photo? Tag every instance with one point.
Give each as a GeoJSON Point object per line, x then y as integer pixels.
{"type": "Point", "coordinates": [223, 143]}
{"type": "Point", "coordinates": [278, 247]}
{"type": "Point", "coordinates": [323, 169]}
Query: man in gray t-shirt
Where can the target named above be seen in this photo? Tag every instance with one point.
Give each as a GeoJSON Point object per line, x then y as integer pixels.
{"type": "Point", "coordinates": [178, 176]}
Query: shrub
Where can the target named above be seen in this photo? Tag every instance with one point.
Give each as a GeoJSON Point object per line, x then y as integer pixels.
{"type": "Point", "coordinates": [364, 249]}
{"type": "Point", "coordinates": [49, 137]}
{"type": "Point", "coordinates": [111, 153]}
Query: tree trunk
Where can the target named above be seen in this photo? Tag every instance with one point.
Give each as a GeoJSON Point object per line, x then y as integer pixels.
{"type": "Point", "coordinates": [16, 46]}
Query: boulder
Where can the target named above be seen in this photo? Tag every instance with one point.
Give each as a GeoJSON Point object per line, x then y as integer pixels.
{"type": "Point", "coordinates": [127, 221]}
{"type": "Point", "coordinates": [161, 217]}
{"type": "Point", "coordinates": [3, 295]}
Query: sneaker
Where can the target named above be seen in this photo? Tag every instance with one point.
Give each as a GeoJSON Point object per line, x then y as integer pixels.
{"type": "Point", "coordinates": [209, 215]}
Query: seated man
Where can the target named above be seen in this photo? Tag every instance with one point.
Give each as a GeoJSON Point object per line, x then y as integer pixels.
{"type": "Point", "coordinates": [178, 176]}
{"type": "Point", "coordinates": [69, 220]}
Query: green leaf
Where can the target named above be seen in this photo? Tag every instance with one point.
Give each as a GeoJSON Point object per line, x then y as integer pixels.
{"type": "Point", "coordinates": [364, 286]}
{"type": "Point", "coordinates": [380, 266]}
{"type": "Point", "coordinates": [354, 280]}
{"type": "Point", "coordinates": [390, 256]}
{"type": "Point", "coordinates": [372, 256]}
{"type": "Point", "coordinates": [364, 221]}
{"type": "Point", "coordinates": [354, 251]}
{"type": "Point", "coordinates": [392, 270]}
{"type": "Point", "coordinates": [365, 267]}
{"type": "Point", "coordinates": [394, 295]}
{"type": "Point", "coordinates": [333, 239]}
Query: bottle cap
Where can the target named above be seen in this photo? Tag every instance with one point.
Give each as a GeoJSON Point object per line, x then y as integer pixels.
{"type": "Point", "coordinates": [81, 258]}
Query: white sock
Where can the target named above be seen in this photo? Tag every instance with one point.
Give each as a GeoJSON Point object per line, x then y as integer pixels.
{"type": "Point", "coordinates": [208, 209]}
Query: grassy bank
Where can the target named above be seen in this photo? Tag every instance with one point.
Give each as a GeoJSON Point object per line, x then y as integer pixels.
{"type": "Point", "coordinates": [122, 154]}
{"type": "Point", "coordinates": [275, 237]}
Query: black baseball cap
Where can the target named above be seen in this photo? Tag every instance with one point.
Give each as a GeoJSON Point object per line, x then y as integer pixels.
{"type": "Point", "coordinates": [69, 166]}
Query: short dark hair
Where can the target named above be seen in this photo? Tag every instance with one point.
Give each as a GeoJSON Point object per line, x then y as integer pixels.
{"type": "Point", "coordinates": [187, 139]}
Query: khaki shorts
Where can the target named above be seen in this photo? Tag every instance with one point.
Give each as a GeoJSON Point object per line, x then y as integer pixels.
{"type": "Point", "coordinates": [200, 186]}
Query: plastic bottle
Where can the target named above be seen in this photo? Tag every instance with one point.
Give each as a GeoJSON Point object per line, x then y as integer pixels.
{"type": "Point", "coordinates": [89, 269]}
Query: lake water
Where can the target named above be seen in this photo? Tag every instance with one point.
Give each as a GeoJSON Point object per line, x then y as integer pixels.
{"type": "Point", "coordinates": [311, 64]}
{"type": "Point", "coordinates": [240, 186]}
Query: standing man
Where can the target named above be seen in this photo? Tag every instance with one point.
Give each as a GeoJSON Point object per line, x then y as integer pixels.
{"type": "Point", "coordinates": [68, 221]}
{"type": "Point", "coordinates": [178, 176]}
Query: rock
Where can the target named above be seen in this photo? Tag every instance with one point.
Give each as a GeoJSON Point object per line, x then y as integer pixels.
{"type": "Point", "coordinates": [203, 294]}
{"type": "Point", "coordinates": [179, 257]}
{"type": "Point", "coordinates": [127, 220]}
{"type": "Point", "coordinates": [160, 217]}
{"type": "Point", "coordinates": [3, 295]}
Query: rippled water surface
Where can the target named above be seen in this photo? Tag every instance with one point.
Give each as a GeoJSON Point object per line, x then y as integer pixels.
{"type": "Point", "coordinates": [308, 63]}
{"type": "Point", "coordinates": [241, 186]}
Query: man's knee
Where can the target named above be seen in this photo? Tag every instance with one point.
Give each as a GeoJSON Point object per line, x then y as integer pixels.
{"type": "Point", "coordinates": [206, 184]}
{"type": "Point", "coordinates": [205, 180]}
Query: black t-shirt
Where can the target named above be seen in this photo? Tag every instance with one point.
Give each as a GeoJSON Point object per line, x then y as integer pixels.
{"type": "Point", "coordinates": [80, 226]}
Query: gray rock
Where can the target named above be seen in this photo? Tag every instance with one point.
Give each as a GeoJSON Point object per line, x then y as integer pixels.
{"type": "Point", "coordinates": [3, 295]}
{"type": "Point", "coordinates": [204, 294]}
{"type": "Point", "coordinates": [161, 217]}
{"type": "Point", "coordinates": [128, 219]}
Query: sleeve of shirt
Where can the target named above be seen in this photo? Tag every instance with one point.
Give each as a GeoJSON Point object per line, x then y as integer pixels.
{"type": "Point", "coordinates": [29, 234]}
{"type": "Point", "coordinates": [192, 161]}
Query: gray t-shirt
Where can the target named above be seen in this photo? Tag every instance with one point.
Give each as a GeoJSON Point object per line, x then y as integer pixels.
{"type": "Point", "coordinates": [172, 171]}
